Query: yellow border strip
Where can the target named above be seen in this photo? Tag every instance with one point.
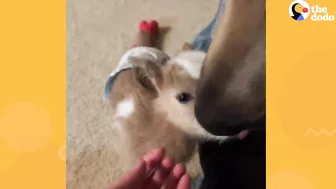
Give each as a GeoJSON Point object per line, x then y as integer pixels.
{"type": "Point", "coordinates": [32, 102]}
{"type": "Point", "coordinates": [301, 75]}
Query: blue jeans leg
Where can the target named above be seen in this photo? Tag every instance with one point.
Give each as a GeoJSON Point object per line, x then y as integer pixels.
{"type": "Point", "coordinates": [203, 40]}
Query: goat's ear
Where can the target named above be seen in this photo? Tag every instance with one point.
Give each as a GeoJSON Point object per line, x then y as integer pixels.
{"type": "Point", "coordinates": [148, 74]}
{"type": "Point", "coordinates": [186, 47]}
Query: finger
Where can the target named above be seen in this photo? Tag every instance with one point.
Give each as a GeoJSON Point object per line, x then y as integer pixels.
{"type": "Point", "coordinates": [160, 174]}
{"type": "Point", "coordinates": [174, 177]}
{"type": "Point", "coordinates": [153, 159]}
{"type": "Point", "coordinates": [133, 178]}
{"type": "Point", "coordinates": [184, 182]}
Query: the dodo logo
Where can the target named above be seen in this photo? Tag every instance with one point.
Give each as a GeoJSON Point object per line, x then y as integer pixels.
{"type": "Point", "coordinates": [299, 10]}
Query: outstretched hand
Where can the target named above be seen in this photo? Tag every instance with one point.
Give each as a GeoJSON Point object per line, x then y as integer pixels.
{"type": "Point", "coordinates": [154, 171]}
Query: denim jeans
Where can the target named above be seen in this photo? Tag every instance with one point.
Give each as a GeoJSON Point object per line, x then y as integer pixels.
{"type": "Point", "coordinates": [203, 40]}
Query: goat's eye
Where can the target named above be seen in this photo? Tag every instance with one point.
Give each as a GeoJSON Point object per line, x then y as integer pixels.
{"type": "Point", "coordinates": [183, 98]}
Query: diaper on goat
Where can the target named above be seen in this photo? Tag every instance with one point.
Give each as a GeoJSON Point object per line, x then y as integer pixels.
{"type": "Point", "coordinates": [145, 53]}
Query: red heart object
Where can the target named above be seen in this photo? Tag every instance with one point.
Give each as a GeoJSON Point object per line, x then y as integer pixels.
{"type": "Point", "coordinates": [150, 27]}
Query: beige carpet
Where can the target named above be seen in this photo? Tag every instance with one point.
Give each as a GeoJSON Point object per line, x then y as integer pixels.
{"type": "Point", "coordinates": [98, 32]}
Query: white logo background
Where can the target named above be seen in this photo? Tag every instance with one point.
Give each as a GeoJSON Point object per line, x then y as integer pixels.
{"type": "Point", "coordinates": [303, 3]}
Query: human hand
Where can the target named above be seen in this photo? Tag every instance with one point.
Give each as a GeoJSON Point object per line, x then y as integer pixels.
{"type": "Point", "coordinates": [154, 171]}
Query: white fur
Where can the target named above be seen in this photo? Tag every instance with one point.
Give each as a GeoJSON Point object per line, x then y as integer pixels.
{"type": "Point", "coordinates": [190, 61]}
{"type": "Point", "coordinates": [125, 108]}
